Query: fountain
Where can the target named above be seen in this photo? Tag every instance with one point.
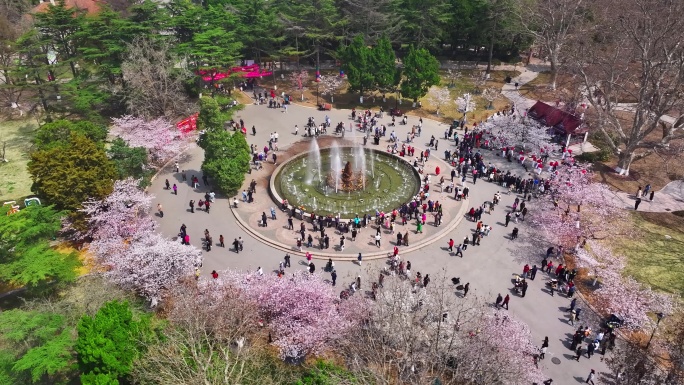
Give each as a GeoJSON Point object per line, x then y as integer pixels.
{"type": "Point", "coordinates": [313, 162]}
{"type": "Point", "coordinates": [350, 180]}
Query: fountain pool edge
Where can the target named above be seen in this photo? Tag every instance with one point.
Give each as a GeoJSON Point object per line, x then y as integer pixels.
{"type": "Point", "coordinates": [275, 196]}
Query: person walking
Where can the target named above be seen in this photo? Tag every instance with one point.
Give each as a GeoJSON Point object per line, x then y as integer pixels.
{"type": "Point", "coordinates": [542, 352]}
{"type": "Point", "coordinates": [590, 378]}
{"type": "Point", "coordinates": [590, 349]}
{"type": "Point", "coordinates": [221, 239]}
{"type": "Point", "coordinates": [236, 246]}
{"type": "Point", "coordinates": [359, 259]}
{"type": "Point", "coordinates": [498, 300]}
{"type": "Point", "coordinates": [426, 280]}
{"type": "Point", "coordinates": [505, 301]}
{"type": "Point", "coordinates": [377, 239]}
{"type": "Point", "coordinates": [175, 189]}
{"type": "Point", "coordinates": [636, 204]}
{"type": "Point", "coordinates": [333, 276]}
{"type": "Point", "coordinates": [459, 251]}
{"type": "Point", "coordinates": [508, 218]}
{"type": "Point", "coordinates": [287, 260]}
{"type": "Point", "coordinates": [160, 210]}
{"type": "Point", "coordinates": [451, 244]}
{"type": "Point", "coordinates": [533, 272]}
{"type": "Point", "coordinates": [465, 289]}
{"type": "Point", "coordinates": [524, 288]}
{"type": "Point", "coordinates": [578, 353]}
{"type": "Point", "coordinates": [573, 317]}
{"type": "Point", "coordinates": [572, 304]}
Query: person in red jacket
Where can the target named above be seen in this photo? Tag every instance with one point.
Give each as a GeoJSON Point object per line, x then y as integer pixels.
{"type": "Point", "coordinates": [526, 269]}
{"type": "Point", "coordinates": [451, 244]}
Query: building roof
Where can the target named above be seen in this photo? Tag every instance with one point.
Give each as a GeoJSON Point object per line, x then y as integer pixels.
{"type": "Point", "coordinates": [560, 120]}
{"type": "Point", "coordinates": [89, 6]}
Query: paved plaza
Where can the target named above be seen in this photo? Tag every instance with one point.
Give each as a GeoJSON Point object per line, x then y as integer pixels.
{"type": "Point", "coordinates": [488, 268]}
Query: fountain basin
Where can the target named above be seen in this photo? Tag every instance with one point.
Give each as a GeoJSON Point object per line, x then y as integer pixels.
{"type": "Point", "coordinates": [390, 182]}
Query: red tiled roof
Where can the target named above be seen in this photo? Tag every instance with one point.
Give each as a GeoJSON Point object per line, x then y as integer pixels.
{"type": "Point", "coordinates": [556, 118]}
{"type": "Point", "coordinates": [90, 6]}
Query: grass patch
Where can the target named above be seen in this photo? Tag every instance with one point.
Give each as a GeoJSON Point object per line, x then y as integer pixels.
{"type": "Point", "coordinates": [15, 181]}
{"type": "Point", "coordinates": [652, 258]}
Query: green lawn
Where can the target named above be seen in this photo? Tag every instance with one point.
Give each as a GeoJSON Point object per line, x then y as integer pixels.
{"type": "Point", "coordinates": [15, 182]}
{"type": "Point", "coordinates": [653, 258]}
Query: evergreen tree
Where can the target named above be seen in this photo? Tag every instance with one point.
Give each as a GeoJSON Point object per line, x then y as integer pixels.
{"type": "Point", "coordinates": [103, 41]}
{"type": "Point", "coordinates": [314, 24]}
{"type": "Point", "coordinates": [371, 19]}
{"type": "Point", "coordinates": [58, 133]}
{"type": "Point", "coordinates": [130, 161]}
{"type": "Point", "coordinates": [68, 175]}
{"type": "Point", "coordinates": [26, 258]}
{"type": "Point", "coordinates": [226, 156]}
{"type": "Point", "coordinates": [424, 22]}
{"type": "Point", "coordinates": [387, 74]}
{"type": "Point", "coordinates": [106, 343]}
{"type": "Point", "coordinates": [357, 63]}
{"type": "Point", "coordinates": [261, 30]}
{"type": "Point", "coordinates": [37, 347]}
{"type": "Point", "coordinates": [34, 66]}
{"type": "Point", "coordinates": [58, 28]}
{"type": "Point", "coordinates": [421, 71]}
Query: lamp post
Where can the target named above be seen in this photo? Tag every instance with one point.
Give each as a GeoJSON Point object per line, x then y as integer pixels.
{"type": "Point", "coordinates": [660, 316]}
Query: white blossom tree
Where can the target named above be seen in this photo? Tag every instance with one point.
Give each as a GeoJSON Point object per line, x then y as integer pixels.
{"type": "Point", "coordinates": [438, 97]}
{"type": "Point", "coordinates": [526, 134]}
{"type": "Point", "coordinates": [329, 84]}
{"type": "Point", "coordinates": [160, 137]}
{"type": "Point", "coordinates": [412, 333]}
{"type": "Point", "coordinates": [490, 94]}
{"type": "Point", "coordinates": [465, 104]}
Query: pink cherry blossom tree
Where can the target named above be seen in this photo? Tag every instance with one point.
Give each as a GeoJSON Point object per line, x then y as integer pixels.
{"type": "Point", "coordinates": [619, 293]}
{"type": "Point", "coordinates": [122, 215]}
{"type": "Point", "coordinates": [161, 138]}
{"type": "Point", "coordinates": [150, 264]}
{"type": "Point", "coordinates": [299, 80]}
{"type": "Point", "coordinates": [303, 312]}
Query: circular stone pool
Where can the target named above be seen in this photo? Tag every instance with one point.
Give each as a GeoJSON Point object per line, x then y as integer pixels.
{"type": "Point", "coordinates": [346, 180]}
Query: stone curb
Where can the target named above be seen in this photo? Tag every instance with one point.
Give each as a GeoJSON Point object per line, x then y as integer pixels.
{"type": "Point", "coordinates": [350, 257]}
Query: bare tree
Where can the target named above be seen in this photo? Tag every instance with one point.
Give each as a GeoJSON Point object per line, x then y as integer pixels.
{"type": "Point", "coordinates": [213, 338]}
{"type": "Point", "coordinates": [153, 83]}
{"type": "Point", "coordinates": [414, 334]}
{"type": "Point", "coordinates": [631, 66]}
{"type": "Point", "coordinates": [552, 23]}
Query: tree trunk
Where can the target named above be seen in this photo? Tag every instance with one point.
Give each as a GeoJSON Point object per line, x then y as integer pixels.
{"type": "Point", "coordinates": [553, 57]}
{"type": "Point", "coordinates": [624, 162]}
{"type": "Point", "coordinates": [489, 56]}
